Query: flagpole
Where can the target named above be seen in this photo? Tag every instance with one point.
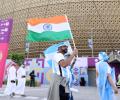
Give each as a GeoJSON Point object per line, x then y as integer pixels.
{"type": "Point", "coordinates": [27, 45]}
{"type": "Point", "coordinates": [71, 33]}
{"type": "Point", "coordinates": [73, 42]}
{"type": "Point", "coordinates": [92, 42]}
{"type": "Point", "coordinates": [72, 37]}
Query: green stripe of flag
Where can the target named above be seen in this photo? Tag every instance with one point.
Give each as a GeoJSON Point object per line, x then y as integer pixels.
{"type": "Point", "coordinates": [48, 36]}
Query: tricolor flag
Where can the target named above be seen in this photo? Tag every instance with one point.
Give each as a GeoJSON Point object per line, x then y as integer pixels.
{"type": "Point", "coordinates": [48, 29]}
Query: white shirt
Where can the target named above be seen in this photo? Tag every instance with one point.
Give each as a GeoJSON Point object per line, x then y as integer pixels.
{"type": "Point", "coordinates": [55, 64]}
{"type": "Point", "coordinates": [12, 73]}
{"type": "Point", "coordinates": [21, 72]}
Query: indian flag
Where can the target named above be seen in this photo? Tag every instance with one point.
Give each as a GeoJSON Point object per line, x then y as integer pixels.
{"type": "Point", "coordinates": [48, 29]}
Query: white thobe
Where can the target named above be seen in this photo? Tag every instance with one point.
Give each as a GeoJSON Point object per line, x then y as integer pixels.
{"type": "Point", "coordinates": [11, 73]}
{"type": "Point", "coordinates": [21, 81]}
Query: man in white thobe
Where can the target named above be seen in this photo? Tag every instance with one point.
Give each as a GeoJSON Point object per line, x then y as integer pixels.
{"type": "Point", "coordinates": [21, 76]}
{"type": "Point", "coordinates": [11, 81]}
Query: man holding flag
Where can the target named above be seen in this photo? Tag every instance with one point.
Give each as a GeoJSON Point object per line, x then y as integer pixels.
{"type": "Point", "coordinates": [59, 87]}
{"type": "Point", "coordinates": [54, 29]}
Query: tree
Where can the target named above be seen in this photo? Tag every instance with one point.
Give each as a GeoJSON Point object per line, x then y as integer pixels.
{"type": "Point", "coordinates": [18, 58]}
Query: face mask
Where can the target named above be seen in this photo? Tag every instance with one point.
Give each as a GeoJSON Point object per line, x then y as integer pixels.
{"type": "Point", "coordinates": [65, 50]}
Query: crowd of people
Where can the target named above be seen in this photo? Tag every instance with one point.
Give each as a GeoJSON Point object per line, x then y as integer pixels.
{"type": "Point", "coordinates": [61, 82]}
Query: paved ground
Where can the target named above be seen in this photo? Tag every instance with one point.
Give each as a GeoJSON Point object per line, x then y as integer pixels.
{"type": "Point", "coordinates": [40, 93]}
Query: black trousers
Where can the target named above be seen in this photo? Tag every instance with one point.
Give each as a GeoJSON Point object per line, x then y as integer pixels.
{"type": "Point", "coordinates": [62, 94]}
{"type": "Point", "coordinates": [32, 83]}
